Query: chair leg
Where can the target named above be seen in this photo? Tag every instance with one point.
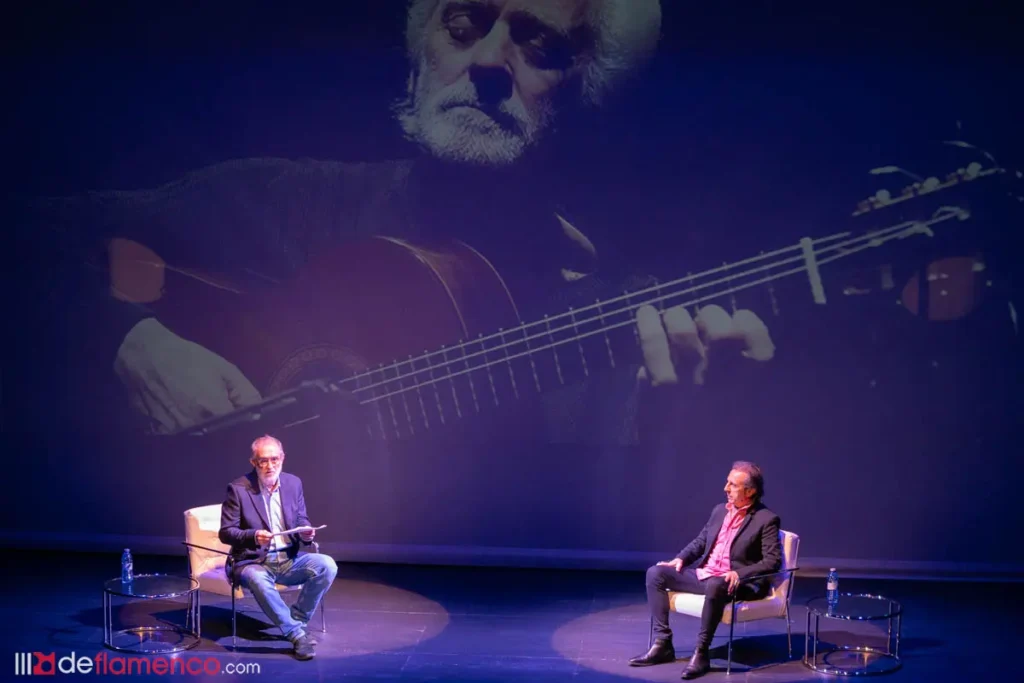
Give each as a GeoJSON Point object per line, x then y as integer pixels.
{"type": "Point", "coordinates": [323, 618]}
{"type": "Point", "coordinates": [732, 625]}
{"type": "Point", "coordinates": [234, 631]}
{"type": "Point", "coordinates": [789, 632]}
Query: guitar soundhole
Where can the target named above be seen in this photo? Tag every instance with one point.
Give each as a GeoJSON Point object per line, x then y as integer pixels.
{"type": "Point", "coordinates": [314, 362]}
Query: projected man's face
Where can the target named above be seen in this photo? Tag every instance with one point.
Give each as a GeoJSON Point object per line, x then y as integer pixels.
{"type": "Point", "coordinates": [487, 84]}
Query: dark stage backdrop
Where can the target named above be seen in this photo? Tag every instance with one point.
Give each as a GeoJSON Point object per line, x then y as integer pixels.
{"type": "Point", "coordinates": [413, 247]}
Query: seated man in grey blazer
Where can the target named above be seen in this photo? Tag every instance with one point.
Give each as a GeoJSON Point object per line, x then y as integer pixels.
{"type": "Point", "coordinates": [259, 505]}
{"type": "Point", "coordinates": [741, 539]}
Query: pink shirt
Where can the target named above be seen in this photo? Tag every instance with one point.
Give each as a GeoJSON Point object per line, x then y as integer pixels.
{"type": "Point", "coordinates": [718, 561]}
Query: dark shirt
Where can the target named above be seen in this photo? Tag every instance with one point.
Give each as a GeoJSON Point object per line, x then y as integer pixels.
{"type": "Point", "coordinates": [269, 216]}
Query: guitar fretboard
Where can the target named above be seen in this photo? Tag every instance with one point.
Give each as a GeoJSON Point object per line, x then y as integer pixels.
{"type": "Point", "coordinates": [454, 382]}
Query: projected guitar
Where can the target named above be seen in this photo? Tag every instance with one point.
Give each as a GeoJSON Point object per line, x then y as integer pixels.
{"type": "Point", "coordinates": [343, 326]}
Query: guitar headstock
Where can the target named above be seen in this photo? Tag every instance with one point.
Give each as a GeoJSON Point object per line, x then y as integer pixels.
{"type": "Point", "coordinates": [923, 187]}
{"type": "Point", "coordinates": [953, 281]}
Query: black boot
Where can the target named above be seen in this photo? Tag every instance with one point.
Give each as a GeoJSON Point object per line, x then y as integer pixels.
{"type": "Point", "coordinates": [661, 652]}
{"type": "Point", "coordinates": [305, 647]}
{"type": "Point", "coordinates": [699, 664]}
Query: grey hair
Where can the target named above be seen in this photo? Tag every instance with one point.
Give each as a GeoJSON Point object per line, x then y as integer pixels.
{"type": "Point", "coordinates": [264, 440]}
{"type": "Point", "coordinates": [626, 34]}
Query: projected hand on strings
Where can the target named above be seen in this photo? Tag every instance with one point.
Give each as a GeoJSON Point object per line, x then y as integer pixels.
{"type": "Point", "coordinates": [175, 382]}
{"type": "Point", "coordinates": [678, 348]}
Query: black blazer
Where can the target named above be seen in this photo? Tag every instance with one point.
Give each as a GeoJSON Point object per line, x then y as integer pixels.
{"type": "Point", "coordinates": [755, 548]}
{"type": "Point", "coordinates": [244, 513]}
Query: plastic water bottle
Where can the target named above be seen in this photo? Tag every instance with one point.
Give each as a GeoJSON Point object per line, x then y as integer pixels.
{"type": "Point", "coordinates": [832, 588]}
{"type": "Point", "coordinates": [127, 573]}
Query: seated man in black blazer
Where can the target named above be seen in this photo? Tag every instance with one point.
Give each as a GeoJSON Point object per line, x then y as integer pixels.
{"type": "Point", "coordinates": [260, 504]}
{"type": "Point", "coordinates": [741, 539]}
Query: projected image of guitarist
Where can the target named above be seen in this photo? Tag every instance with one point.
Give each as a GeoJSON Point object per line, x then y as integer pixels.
{"type": "Point", "coordinates": [489, 85]}
{"type": "Point", "coordinates": [210, 277]}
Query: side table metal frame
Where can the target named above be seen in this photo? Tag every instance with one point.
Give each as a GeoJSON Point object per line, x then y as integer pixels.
{"type": "Point", "coordinates": [191, 633]}
{"type": "Point", "coordinates": [889, 652]}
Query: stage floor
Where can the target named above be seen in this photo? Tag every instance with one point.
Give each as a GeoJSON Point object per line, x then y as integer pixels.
{"type": "Point", "coordinates": [412, 623]}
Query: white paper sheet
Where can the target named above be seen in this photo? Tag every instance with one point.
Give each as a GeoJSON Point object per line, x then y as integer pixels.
{"type": "Point", "coordinates": [298, 529]}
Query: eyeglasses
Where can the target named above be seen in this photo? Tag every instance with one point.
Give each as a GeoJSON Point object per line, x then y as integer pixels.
{"type": "Point", "coordinates": [266, 462]}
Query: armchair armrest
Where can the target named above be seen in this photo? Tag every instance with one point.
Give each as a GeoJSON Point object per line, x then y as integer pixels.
{"type": "Point", "coordinates": [755, 577]}
{"type": "Point", "coordinates": [789, 588]}
{"type": "Point", "coordinates": [203, 547]}
{"type": "Point", "coordinates": [316, 547]}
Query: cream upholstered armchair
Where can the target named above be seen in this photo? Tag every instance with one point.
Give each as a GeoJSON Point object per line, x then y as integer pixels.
{"type": "Point", "coordinates": [774, 605]}
{"type": "Point", "coordinates": [207, 557]}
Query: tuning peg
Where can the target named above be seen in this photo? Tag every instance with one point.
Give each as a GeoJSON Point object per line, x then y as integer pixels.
{"type": "Point", "coordinates": [886, 170]}
{"type": "Point", "coordinates": [967, 145]}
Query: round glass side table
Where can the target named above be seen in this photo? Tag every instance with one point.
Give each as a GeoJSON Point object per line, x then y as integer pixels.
{"type": "Point", "coordinates": [165, 639]}
{"type": "Point", "coordinates": [854, 660]}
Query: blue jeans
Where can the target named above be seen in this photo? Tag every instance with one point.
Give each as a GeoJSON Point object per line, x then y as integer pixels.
{"type": "Point", "coordinates": [313, 571]}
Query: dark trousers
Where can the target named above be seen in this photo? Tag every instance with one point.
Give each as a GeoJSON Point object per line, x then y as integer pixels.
{"type": "Point", "coordinates": [714, 589]}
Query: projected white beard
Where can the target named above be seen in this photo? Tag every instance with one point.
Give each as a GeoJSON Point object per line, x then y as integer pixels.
{"type": "Point", "coordinates": [452, 124]}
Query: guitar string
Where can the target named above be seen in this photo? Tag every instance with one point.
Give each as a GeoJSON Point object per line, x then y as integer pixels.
{"type": "Point", "coordinates": [592, 333]}
{"type": "Point", "coordinates": [552, 318]}
{"type": "Point", "coordinates": [870, 241]}
{"type": "Point", "coordinates": [396, 365]}
{"type": "Point", "coordinates": [546, 321]}
{"type": "Point", "coordinates": [569, 340]}
{"type": "Point", "coordinates": [884, 235]}
{"type": "Point", "coordinates": [523, 326]}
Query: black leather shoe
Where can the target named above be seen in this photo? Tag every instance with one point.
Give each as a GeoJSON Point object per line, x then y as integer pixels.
{"type": "Point", "coordinates": [661, 652]}
{"type": "Point", "coordinates": [699, 665]}
{"type": "Point", "coordinates": [305, 647]}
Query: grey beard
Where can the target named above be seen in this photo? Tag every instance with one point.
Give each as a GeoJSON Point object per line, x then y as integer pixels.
{"type": "Point", "coordinates": [441, 136]}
